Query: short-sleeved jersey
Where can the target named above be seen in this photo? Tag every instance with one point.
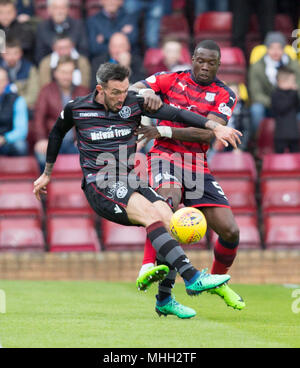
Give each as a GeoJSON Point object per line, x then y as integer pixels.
{"type": "Point", "coordinates": [180, 89]}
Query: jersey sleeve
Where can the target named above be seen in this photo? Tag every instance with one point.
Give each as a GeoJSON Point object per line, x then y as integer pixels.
{"type": "Point", "coordinates": [159, 82]}
{"type": "Point", "coordinates": [225, 104]}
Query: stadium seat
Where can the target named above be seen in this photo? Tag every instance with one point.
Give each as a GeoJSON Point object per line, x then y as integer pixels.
{"type": "Point", "coordinates": [249, 234]}
{"type": "Point", "coordinates": [67, 167]}
{"type": "Point", "coordinates": [265, 138]}
{"type": "Point", "coordinates": [18, 234]}
{"type": "Point", "coordinates": [72, 234]}
{"type": "Point", "coordinates": [66, 197]}
{"type": "Point", "coordinates": [281, 165]}
{"type": "Point", "coordinates": [176, 26]}
{"type": "Point", "coordinates": [18, 168]}
{"type": "Point", "coordinates": [16, 198]}
{"type": "Point", "coordinates": [282, 231]}
{"type": "Point", "coordinates": [215, 26]}
{"type": "Point", "coordinates": [233, 65]}
{"type": "Point", "coordinates": [153, 59]}
{"type": "Point", "coordinates": [240, 194]}
{"type": "Point", "coordinates": [233, 165]}
{"type": "Point", "coordinates": [119, 237]}
{"type": "Point", "coordinates": [281, 195]}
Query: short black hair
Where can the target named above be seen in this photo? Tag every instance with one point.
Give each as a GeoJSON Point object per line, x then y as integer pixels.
{"type": "Point", "coordinates": [209, 45]}
{"type": "Point", "coordinates": [111, 71]}
{"type": "Point", "coordinates": [284, 70]}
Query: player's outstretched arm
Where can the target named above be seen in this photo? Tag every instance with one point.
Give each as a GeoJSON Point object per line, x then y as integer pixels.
{"type": "Point", "coordinates": [63, 124]}
{"type": "Point", "coordinates": [223, 133]}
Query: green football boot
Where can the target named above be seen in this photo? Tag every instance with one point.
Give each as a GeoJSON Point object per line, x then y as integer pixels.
{"type": "Point", "coordinates": [174, 308]}
{"type": "Point", "coordinates": [231, 298]}
{"type": "Point", "coordinates": [205, 281]}
{"type": "Point", "coordinates": [153, 274]}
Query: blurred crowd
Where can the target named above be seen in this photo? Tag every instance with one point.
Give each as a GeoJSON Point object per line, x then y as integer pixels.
{"type": "Point", "coordinates": [54, 47]}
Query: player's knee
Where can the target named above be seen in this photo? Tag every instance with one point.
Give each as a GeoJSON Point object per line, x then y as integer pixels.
{"type": "Point", "coordinates": [153, 214]}
{"type": "Point", "coordinates": [231, 234]}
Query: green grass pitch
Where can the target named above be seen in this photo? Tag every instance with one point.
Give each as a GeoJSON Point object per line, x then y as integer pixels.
{"type": "Point", "coordinates": [111, 315]}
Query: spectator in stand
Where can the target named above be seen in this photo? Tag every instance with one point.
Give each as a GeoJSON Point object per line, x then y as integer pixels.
{"type": "Point", "coordinates": [285, 104]}
{"type": "Point", "coordinates": [111, 19]}
{"type": "Point", "coordinates": [13, 119]}
{"type": "Point", "coordinates": [59, 23]}
{"type": "Point", "coordinates": [242, 11]}
{"type": "Point", "coordinates": [262, 77]}
{"type": "Point", "coordinates": [119, 52]}
{"type": "Point", "coordinates": [25, 10]}
{"type": "Point", "coordinates": [13, 28]}
{"type": "Point", "coordinates": [172, 56]}
{"type": "Point", "coordinates": [21, 72]}
{"type": "Point", "coordinates": [64, 46]}
{"type": "Point", "coordinates": [152, 10]}
{"type": "Point", "coordinates": [203, 6]}
{"type": "Point", "coordinates": [51, 101]}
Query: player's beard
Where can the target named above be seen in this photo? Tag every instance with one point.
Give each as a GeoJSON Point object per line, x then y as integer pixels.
{"type": "Point", "coordinates": [111, 107]}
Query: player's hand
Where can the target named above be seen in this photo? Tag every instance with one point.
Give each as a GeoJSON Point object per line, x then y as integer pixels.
{"type": "Point", "coordinates": [152, 102]}
{"type": "Point", "coordinates": [40, 186]}
{"type": "Point", "coordinates": [227, 135]}
{"type": "Point", "coordinates": [147, 133]}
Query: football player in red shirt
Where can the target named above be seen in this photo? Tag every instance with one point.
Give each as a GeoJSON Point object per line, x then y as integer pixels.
{"type": "Point", "coordinates": [200, 91]}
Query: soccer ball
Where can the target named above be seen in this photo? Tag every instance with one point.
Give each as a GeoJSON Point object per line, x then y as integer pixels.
{"type": "Point", "coordinates": [188, 225]}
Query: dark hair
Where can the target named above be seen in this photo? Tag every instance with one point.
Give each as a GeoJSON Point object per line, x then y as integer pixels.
{"type": "Point", "coordinates": [7, 2]}
{"type": "Point", "coordinates": [65, 60]}
{"type": "Point", "coordinates": [284, 70]}
{"type": "Point", "coordinates": [62, 36]}
{"type": "Point", "coordinates": [13, 42]}
{"type": "Point", "coordinates": [111, 71]}
{"type": "Point", "coordinates": [209, 45]}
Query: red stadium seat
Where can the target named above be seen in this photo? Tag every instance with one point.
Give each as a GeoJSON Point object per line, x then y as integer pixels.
{"type": "Point", "coordinates": [67, 167]}
{"type": "Point", "coordinates": [16, 198]}
{"type": "Point", "coordinates": [265, 139]}
{"type": "Point", "coordinates": [214, 26]}
{"type": "Point", "coordinates": [281, 195]}
{"type": "Point", "coordinates": [119, 237]}
{"type": "Point", "coordinates": [66, 197]}
{"type": "Point", "coordinates": [282, 231]}
{"type": "Point", "coordinates": [233, 65]}
{"type": "Point", "coordinates": [249, 234]}
{"type": "Point", "coordinates": [12, 168]}
{"type": "Point", "coordinates": [21, 234]}
{"type": "Point", "coordinates": [281, 165]}
{"type": "Point", "coordinates": [153, 59]}
{"type": "Point", "coordinates": [240, 194]}
{"type": "Point", "coordinates": [175, 25]}
{"type": "Point", "coordinates": [72, 234]}
{"type": "Point", "coordinates": [233, 165]}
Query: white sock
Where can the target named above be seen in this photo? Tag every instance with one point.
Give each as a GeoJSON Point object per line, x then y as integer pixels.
{"type": "Point", "coordinates": [145, 267]}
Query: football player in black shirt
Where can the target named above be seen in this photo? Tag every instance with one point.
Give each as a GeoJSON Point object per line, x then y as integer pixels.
{"type": "Point", "coordinates": [105, 123]}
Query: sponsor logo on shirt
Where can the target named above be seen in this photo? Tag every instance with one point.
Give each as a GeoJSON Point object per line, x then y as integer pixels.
{"type": "Point", "coordinates": [88, 114]}
{"type": "Point", "coordinates": [224, 109]}
{"type": "Point", "coordinates": [110, 134]}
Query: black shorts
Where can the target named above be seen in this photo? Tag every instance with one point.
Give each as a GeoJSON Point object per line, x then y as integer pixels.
{"type": "Point", "coordinates": [111, 202]}
{"type": "Point", "coordinates": [199, 189]}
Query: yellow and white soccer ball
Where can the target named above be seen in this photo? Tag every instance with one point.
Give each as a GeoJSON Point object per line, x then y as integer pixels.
{"type": "Point", "coordinates": [188, 225]}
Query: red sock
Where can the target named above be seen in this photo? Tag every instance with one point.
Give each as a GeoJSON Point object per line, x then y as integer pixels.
{"type": "Point", "coordinates": [149, 252]}
{"type": "Point", "coordinates": [224, 256]}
